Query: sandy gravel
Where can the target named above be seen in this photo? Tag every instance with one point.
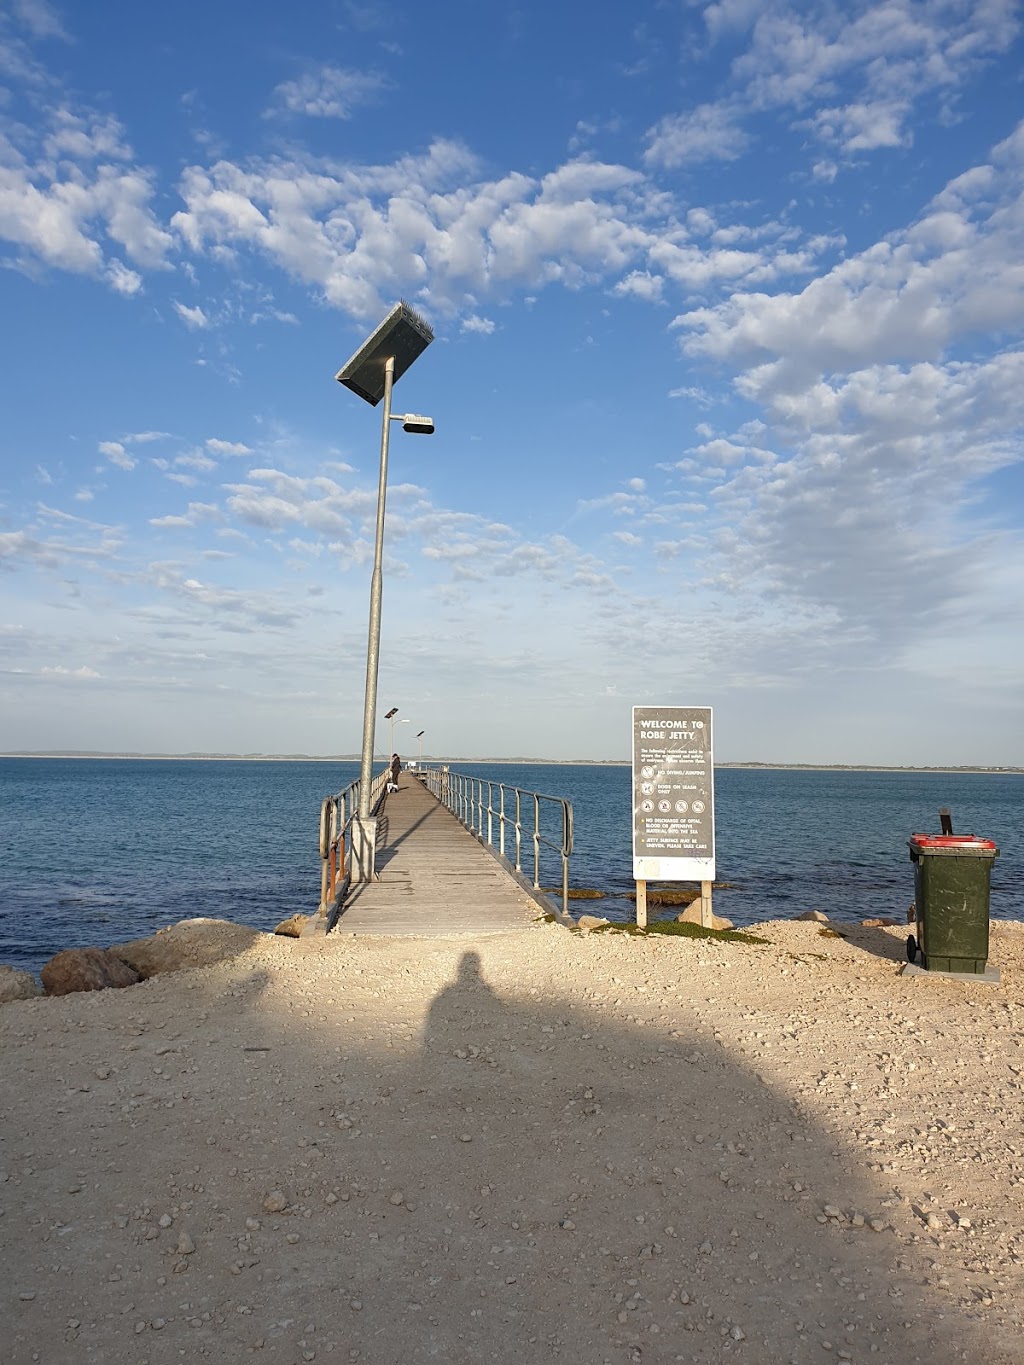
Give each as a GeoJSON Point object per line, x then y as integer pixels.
{"type": "Point", "coordinates": [529, 1147]}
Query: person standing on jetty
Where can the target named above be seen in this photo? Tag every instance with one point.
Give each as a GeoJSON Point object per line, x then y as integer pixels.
{"type": "Point", "coordinates": [396, 768]}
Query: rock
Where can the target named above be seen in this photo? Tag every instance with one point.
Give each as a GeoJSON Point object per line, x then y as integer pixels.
{"type": "Point", "coordinates": [691, 915]}
{"type": "Point", "coordinates": [189, 943]}
{"type": "Point", "coordinates": [292, 927]}
{"type": "Point", "coordinates": [86, 969]}
{"type": "Point", "coordinates": [185, 1246]}
{"type": "Point", "coordinates": [275, 1202]}
{"type": "Point", "coordinates": [878, 923]}
{"type": "Point", "coordinates": [817, 916]}
{"type": "Point", "coordinates": [591, 921]}
{"type": "Point", "coordinates": [15, 985]}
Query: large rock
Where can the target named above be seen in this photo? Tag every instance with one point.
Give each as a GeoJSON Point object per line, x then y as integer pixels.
{"type": "Point", "coordinates": [15, 985]}
{"type": "Point", "coordinates": [691, 915]}
{"type": "Point", "coordinates": [592, 922]}
{"type": "Point", "coordinates": [292, 926]}
{"type": "Point", "coordinates": [189, 943]}
{"type": "Point", "coordinates": [816, 916]}
{"type": "Point", "coordinates": [86, 969]}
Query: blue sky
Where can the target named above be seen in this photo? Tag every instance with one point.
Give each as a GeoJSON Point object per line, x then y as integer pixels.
{"type": "Point", "coordinates": [727, 377]}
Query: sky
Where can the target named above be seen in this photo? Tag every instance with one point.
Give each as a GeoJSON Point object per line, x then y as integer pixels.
{"type": "Point", "coordinates": [727, 376]}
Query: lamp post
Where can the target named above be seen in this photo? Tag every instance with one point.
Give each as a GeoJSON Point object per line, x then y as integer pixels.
{"type": "Point", "coordinates": [420, 738]}
{"type": "Point", "coordinates": [372, 373]}
{"type": "Point", "coordinates": [390, 715]}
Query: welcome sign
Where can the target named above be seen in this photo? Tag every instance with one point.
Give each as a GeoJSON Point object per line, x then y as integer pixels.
{"type": "Point", "coordinates": [673, 794]}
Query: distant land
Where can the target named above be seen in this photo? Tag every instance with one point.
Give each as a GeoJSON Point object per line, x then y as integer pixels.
{"type": "Point", "coordinates": [429, 760]}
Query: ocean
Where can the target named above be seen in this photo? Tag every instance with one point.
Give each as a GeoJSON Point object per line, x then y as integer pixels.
{"type": "Point", "coordinates": [96, 851]}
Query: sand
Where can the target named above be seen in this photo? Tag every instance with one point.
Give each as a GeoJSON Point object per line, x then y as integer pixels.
{"type": "Point", "coordinates": [526, 1147]}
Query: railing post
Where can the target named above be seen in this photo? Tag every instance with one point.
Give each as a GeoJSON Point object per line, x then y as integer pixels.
{"type": "Point", "coordinates": [519, 833]}
{"type": "Point", "coordinates": [536, 841]}
{"type": "Point", "coordinates": [501, 818]}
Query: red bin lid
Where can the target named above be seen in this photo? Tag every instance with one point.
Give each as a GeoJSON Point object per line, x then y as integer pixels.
{"type": "Point", "coordinates": [950, 841]}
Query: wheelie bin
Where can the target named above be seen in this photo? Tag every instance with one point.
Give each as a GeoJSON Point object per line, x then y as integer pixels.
{"type": "Point", "coordinates": [952, 876]}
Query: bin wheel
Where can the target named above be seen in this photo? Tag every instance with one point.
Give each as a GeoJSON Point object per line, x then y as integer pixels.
{"type": "Point", "coordinates": [911, 948]}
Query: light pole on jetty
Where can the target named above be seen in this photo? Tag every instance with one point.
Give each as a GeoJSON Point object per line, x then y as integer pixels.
{"type": "Point", "coordinates": [420, 738]}
{"type": "Point", "coordinates": [390, 715]}
{"type": "Point", "coordinates": [372, 373]}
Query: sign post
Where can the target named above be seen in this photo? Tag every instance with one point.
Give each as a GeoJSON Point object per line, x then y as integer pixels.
{"type": "Point", "coordinates": [673, 801]}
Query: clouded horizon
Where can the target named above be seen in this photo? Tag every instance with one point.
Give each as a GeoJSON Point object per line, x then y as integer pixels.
{"type": "Point", "coordinates": [727, 379]}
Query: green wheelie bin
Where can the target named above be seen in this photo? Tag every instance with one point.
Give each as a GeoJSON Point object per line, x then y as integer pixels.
{"type": "Point", "coordinates": [952, 874]}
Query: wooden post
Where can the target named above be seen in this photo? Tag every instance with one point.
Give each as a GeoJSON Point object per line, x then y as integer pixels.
{"type": "Point", "coordinates": [641, 905]}
{"type": "Point", "coordinates": [706, 916]}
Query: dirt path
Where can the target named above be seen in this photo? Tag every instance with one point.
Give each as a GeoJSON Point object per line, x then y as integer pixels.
{"type": "Point", "coordinates": [529, 1147]}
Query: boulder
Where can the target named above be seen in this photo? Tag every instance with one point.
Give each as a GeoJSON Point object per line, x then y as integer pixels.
{"type": "Point", "coordinates": [591, 922]}
{"type": "Point", "coordinates": [691, 915]}
{"type": "Point", "coordinates": [189, 943]}
{"type": "Point", "coordinates": [292, 927]}
{"type": "Point", "coordinates": [818, 916]}
{"type": "Point", "coordinates": [880, 922]}
{"type": "Point", "coordinates": [86, 969]}
{"type": "Point", "coordinates": [15, 985]}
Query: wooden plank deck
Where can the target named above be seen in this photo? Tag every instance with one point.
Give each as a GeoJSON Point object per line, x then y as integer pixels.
{"type": "Point", "coordinates": [435, 877]}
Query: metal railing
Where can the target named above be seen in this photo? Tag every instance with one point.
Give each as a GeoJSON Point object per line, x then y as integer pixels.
{"type": "Point", "coordinates": [486, 807]}
{"type": "Point", "coordinates": [336, 815]}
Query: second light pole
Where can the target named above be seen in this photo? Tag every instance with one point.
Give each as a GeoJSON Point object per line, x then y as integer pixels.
{"type": "Point", "coordinates": [372, 373]}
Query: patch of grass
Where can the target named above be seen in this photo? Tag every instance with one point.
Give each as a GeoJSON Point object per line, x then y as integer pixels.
{"type": "Point", "coordinates": [674, 929]}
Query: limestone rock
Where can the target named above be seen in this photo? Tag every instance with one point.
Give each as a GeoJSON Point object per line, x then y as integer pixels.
{"type": "Point", "coordinates": [15, 985]}
{"type": "Point", "coordinates": [86, 969]}
{"type": "Point", "coordinates": [691, 915]}
{"type": "Point", "coordinates": [189, 943]}
{"type": "Point", "coordinates": [817, 916]}
{"type": "Point", "coordinates": [292, 927]}
{"type": "Point", "coordinates": [591, 921]}
{"type": "Point", "coordinates": [878, 923]}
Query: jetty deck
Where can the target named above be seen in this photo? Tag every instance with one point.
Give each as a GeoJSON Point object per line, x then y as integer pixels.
{"type": "Point", "coordinates": [436, 878]}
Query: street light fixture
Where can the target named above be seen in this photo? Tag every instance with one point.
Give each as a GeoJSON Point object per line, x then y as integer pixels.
{"type": "Point", "coordinates": [390, 715]}
{"type": "Point", "coordinates": [371, 373]}
{"type": "Point", "coordinates": [420, 738]}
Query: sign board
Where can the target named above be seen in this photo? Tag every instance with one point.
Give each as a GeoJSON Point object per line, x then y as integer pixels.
{"type": "Point", "coordinates": [673, 794]}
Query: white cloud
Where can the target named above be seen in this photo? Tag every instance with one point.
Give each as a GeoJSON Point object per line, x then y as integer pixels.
{"type": "Point", "coordinates": [711, 132]}
{"type": "Point", "coordinates": [116, 454]}
{"type": "Point", "coordinates": [193, 318]}
{"type": "Point", "coordinates": [61, 672]}
{"type": "Point", "coordinates": [329, 92]}
{"type": "Point", "coordinates": [482, 326]}
{"type": "Point", "coordinates": [227, 447]}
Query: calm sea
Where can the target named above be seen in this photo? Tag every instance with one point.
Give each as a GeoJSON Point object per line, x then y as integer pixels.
{"type": "Point", "coordinates": [93, 851]}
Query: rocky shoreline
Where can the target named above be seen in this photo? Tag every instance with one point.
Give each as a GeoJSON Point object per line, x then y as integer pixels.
{"type": "Point", "coordinates": [522, 1147]}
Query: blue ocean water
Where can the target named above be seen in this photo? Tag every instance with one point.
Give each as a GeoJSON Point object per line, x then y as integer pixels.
{"type": "Point", "coordinates": [93, 851]}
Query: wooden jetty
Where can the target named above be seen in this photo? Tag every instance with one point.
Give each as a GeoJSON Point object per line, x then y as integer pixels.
{"type": "Point", "coordinates": [436, 877]}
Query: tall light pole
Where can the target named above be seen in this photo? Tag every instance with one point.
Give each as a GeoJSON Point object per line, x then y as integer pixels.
{"type": "Point", "coordinates": [372, 373]}
{"type": "Point", "coordinates": [420, 738]}
{"type": "Point", "coordinates": [390, 715]}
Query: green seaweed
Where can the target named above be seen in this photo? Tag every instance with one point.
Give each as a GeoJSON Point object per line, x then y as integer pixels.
{"type": "Point", "coordinates": [675, 929]}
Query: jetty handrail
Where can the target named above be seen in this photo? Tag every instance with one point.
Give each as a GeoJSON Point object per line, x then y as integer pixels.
{"type": "Point", "coordinates": [504, 805]}
{"type": "Point", "coordinates": [336, 815]}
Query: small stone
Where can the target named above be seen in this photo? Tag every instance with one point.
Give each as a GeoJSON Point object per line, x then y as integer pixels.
{"type": "Point", "coordinates": [876, 1224]}
{"type": "Point", "coordinates": [275, 1202]}
{"type": "Point", "coordinates": [291, 1238]}
{"type": "Point", "coordinates": [737, 1333]}
{"type": "Point", "coordinates": [186, 1246]}
{"type": "Point", "coordinates": [28, 1296]}
{"type": "Point", "coordinates": [166, 1220]}
{"type": "Point", "coordinates": [252, 1224]}
{"type": "Point", "coordinates": [705, 1248]}
{"type": "Point", "coordinates": [397, 1198]}
{"type": "Point", "coordinates": [158, 1324]}
{"type": "Point", "coordinates": [332, 1198]}
{"type": "Point", "coordinates": [830, 1211]}
{"type": "Point", "coordinates": [568, 1225]}
{"type": "Point", "coordinates": [465, 1137]}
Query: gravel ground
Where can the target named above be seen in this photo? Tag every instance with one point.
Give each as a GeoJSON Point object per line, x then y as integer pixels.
{"type": "Point", "coordinates": [527, 1147]}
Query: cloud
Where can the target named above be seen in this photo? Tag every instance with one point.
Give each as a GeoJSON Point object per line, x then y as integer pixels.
{"type": "Point", "coordinates": [193, 318]}
{"type": "Point", "coordinates": [61, 672]}
{"type": "Point", "coordinates": [227, 447]}
{"type": "Point", "coordinates": [197, 513]}
{"type": "Point", "coordinates": [482, 326]}
{"type": "Point", "coordinates": [116, 454]}
{"type": "Point", "coordinates": [708, 133]}
{"type": "Point", "coordinates": [328, 92]}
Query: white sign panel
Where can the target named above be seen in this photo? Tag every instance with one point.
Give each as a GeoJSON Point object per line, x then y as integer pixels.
{"type": "Point", "coordinates": [673, 794]}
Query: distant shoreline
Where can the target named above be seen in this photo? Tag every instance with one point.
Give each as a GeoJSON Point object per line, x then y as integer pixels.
{"type": "Point", "coordinates": [525, 762]}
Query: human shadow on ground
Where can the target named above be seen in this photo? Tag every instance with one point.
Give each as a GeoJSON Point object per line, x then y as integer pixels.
{"type": "Point", "coordinates": [516, 1177]}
